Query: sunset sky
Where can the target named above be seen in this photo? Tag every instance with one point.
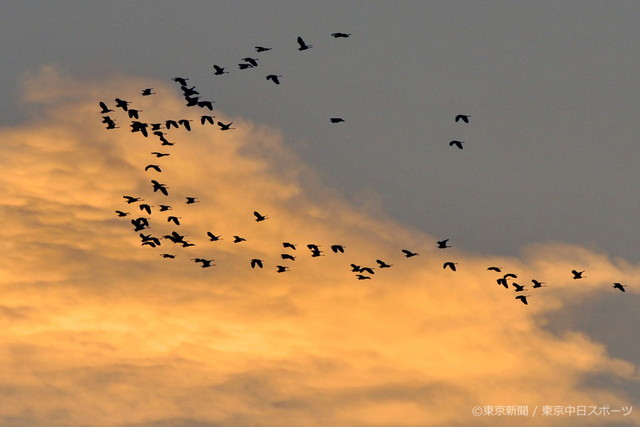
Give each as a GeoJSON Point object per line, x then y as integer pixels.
{"type": "Point", "coordinates": [99, 330]}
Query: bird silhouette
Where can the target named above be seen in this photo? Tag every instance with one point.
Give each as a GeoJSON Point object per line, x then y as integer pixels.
{"type": "Point", "coordinates": [502, 281]}
{"type": "Point", "coordinates": [175, 237]}
{"type": "Point", "coordinates": [523, 298]}
{"type": "Point", "coordinates": [383, 264]}
{"type": "Point", "coordinates": [289, 245]}
{"type": "Point", "coordinates": [510, 275]}
{"type": "Point", "coordinates": [442, 244]}
{"type": "Point", "coordinates": [337, 248]}
{"type": "Point", "coordinates": [537, 284]}
{"type": "Point", "coordinates": [206, 104]}
{"type": "Point", "coordinates": [185, 123]}
{"type": "Point", "coordinates": [121, 103]}
{"type": "Point", "coordinates": [122, 214]}
{"type": "Point", "coordinates": [519, 288]}
{"type": "Point", "coordinates": [262, 49]}
{"type": "Point", "coordinates": [497, 269]}
{"type": "Point", "coordinates": [149, 240]}
{"type": "Point", "coordinates": [104, 108]}
{"type": "Point", "coordinates": [169, 256]}
{"type": "Point", "coordinates": [213, 237]}
{"type": "Point", "coordinates": [303, 45]}
{"type": "Point", "coordinates": [252, 61]}
{"type": "Point", "coordinates": [259, 217]}
{"type": "Point", "coordinates": [256, 263]}
{"type": "Point", "coordinates": [367, 270]}
{"type": "Point", "coordinates": [137, 126]}
{"type": "Point", "coordinates": [463, 117]}
{"type": "Point", "coordinates": [451, 265]}
{"type": "Point", "coordinates": [154, 167]}
{"type": "Point", "coordinates": [408, 253]}
{"type": "Point", "coordinates": [174, 219]}
{"type": "Point", "coordinates": [147, 92]}
{"type": "Point", "coordinates": [140, 223]}
{"type": "Point", "coordinates": [164, 208]}
{"type": "Point", "coordinates": [238, 239]}
{"type": "Point", "coordinates": [157, 154]}
{"type": "Point", "coordinates": [336, 120]}
{"type": "Point", "coordinates": [169, 123]}
{"type": "Point", "coordinates": [577, 274]}
{"type": "Point", "coordinates": [205, 262]}
{"type": "Point", "coordinates": [225, 126]}
{"type": "Point", "coordinates": [340, 35]}
{"type": "Point", "coordinates": [282, 268]}
{"type": "Point", "coordinates": [456, 143]}
{"type": "Point", "coordinates": [362, 277]}
{"type": "Point", "coordinates": [315, 250]}
{"type": "Point", "coordinates": [274, 78]}
{"type": "Point", "coordinates": [244, 66]}
{"type": "Point", "coordinates": [205, 119]}
{"type": "Point", "coordinates": [131, 199]}
{"type": "Point", "coordinates": [191, 200]}
{"type": "Point", "coordinates": [133, 113]}
{"type": "Point", "coordinates": [182, 81]}
{"type": "Point", "coordinates": [219, 70]}
{"type": "Point", "coordinates": [145, 207]}
{"type": "Point", "coordinates": [619, 286]}
{"type": "Point", "coordinates": [189, 91]}
{"type": "Point", "coordinates": [159, 187]}
{"type": "Point", "coordinates": [288, 256]}
{"type": "Point", "coordinates": [192, 101]}
{"type": "Point", "coordinates": [110, 123]}
{"type": "Point", "coordinates": [355, 268]}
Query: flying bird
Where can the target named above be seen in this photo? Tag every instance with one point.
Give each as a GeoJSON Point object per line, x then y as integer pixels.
{"type": "Point", "coordinates": [252, 61]}
{"type": "Point", "coordinates": [537, 284]}
{"type": "Point", "coordinates": [219, 70]}
{"type": "Point", "coordinates": [274, 78]}
{"type": "Point", "coordinates": [131, 199]}
{"type": "Point", "coordinates": [147, 92]}
{"type": "Point", "coordinates": [121, 103]}
{"type": "Point", "coordinates": [456, 143]}
{"type": "Point", "coordinates": [225, 126]}
{"type": "Point", "coordinates": [340, 35]}
{"type": "Point", "coordinates": [122, 214]}
{"type": "Point", "coordinates": [577, 274]}
{"type": "Point", "coordinates": [164, 208]}
{"type": "Point", "coordinates": [169, 123]}
{"type": "Point", "coordinates": [258, 216]}
{"type": "Point", "coordinates": [619, 286]}
{"type": "Point", "coordinates": [303, 45]}
{"type": "Point", "coordinates": [104, 108]}
{"type": "Point", "coordinates": [169, 256]}
{"type": "Point", "coordinates": [238, 239]}
{"type": "Point", "coordinates": [185, 123]}
{"type": "Point", "coordinates": [175, 237]}
{"type": "Point", "coordinates": [140, 223]}
{"type": "Point", "coordinates": [510, 275]}
{"type": "Point", "coordinates": [205, 262]}
{"type": "Point", "coordinates": [362, 277]}
{"type": "Point", "coordinates": [182, 81]}
{"type": "Point", "coordinates": [154, 167]}
{"type": "Point", "coordinates": [336, 120]}
{"type": "Point", "coordinates": [159, 187]}
{"type": "Point", "coordinates": [206, 104]}
{"type": "Point", "coordinates": [155, 153]}
{"type": "Point", "coordinates": [288, 256]}
{"type": "Point", "coordinates": [367, 270]}
{"type": "Point", "coordinates": [523, 298]}
{"type": "Point", "coordinates": [442, 244]}
{"type": "Point", "coordinates": [289, 245]}
{"type": "Point", "coordinates": [463, 117]}
{"type": "Point", "coordinates": [174, 219]}
{"type": "Point", "coordinates": [497, 269]}
{"type": "Point", "coordinates": [408, 253]}
{"type": "Point", "coordinates": [383, 264]}
{"type": "Point", "coordinates": [502, 281]}
{"type": "Point", "coordinates": [282, 268]}
{"type": "Point", "coordinates": [213, 237]}
{"type": "Point", "coordinates": [451, 265]}
{"type": "Point", "coordinates": [189, 91]}
{"type": "Point", "coordinates": [256, 263]}
{"type": "Point", "coordinates": [133, 113]}
{"type": "Point", "coordinates": [191, 200]}
{"type": "Point", "coordinates": [355, 268]}
{"type": "Point", "coordinates": [519, 288]}
{"type": "Point", "coordinates": [262, 49]}
{"type": "Point", "coordinates": [337, 248]}
{"type": "Point", "coordinates": [145, 207]}
{"type": "Point", "coordinates": [205, 119]}
{"type": "Point", "coordinates": [245, 66]}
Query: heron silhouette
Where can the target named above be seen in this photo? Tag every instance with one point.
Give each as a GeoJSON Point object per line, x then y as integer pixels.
{"type": "Point", "coordinates": [213, 237]}
{"type": "Point", "coordinates": [362, 277]}
{"type": "Point", "coordinates": [131, 199]}
{"type": "Point", "coordinates": [205, 119]}
{"type": "Point", "coordinates": [577, 274]}
{"type": "Point", "coordinates": [205, 262]}
{"type": "Point", "coordinates": [523, 298]}
{"type": "Point", "coordinates": [442, 244]}
{"type": "Point", "coordinates": [121, 103]}
{"type": "Point", "coordinates": [244, 66]}
{"type": "Point", "coordinates": [519, 288]}
{"type": "Point", "coordinates": [174, 219]}
{"type": "Point", "coordinates": [289, 245]}
{"type": "Point", "coordinates": [145, 207]}
{"type": "Point", "coordinates": [182, 81]}
{"type": "Point", "coordinates": [259, 217]}
{"type": "Point", "coordinates": [303, 45]}
{"type": "Point", "coordinates": [408, 253]}
{"type": "Point", "coordinates": [288, 256]}
{"type": "Point", "coordinates": [238, 239]}
{"type": "Point", "coordinates": [104, 108]}
{"type": "Point", "coordinates": [159, 187]}
{"type": "Point", "coordinates": [496, 269]}
{"type": "Point", "coordinates": [262, 49]}
{"type": "Point", "coordinates": [456, 143]}
{"type": "Point", "coordinates": [225, 126]}
{"type": "Point", "coordinates": [336, 120]}
{"type": "Point", "coordinates": [282, 268]}
{"type": "Point", "coordinates": [451, 265]}
{"type": "Point", "coordinates": [168, 256]}
{"type": "Point", "coordinates": [463, 117]}
{"type": "Point", "coordinates": [274, 78]}
{"type": "Point", "coordinates": [185, 123]}
{"type": "Point", "coordinates": [256, 263]}
{"type": "Point", "coordinates": [147, 92]}
{"type": "Point", "coordinates": [122, 214]}
{"type": "Point", "coordinates": [164, 208]}
{"type": "Point", "coordinates": [337, 248]}
{"type": "Point", "coordinates": [154, 167]}
{"type": "Point", "coordinates": [619, 286]}
{"type": "Point", "coordinates": [537, 284]}
{"type": "Point", "coordinates": [366, 270]}
{"type": "Point", "coordinates": [157, 154]}
{"type": "Point", "coordinates": [191, 200]}
{"type": "Point", "coordinates": [219, 70]}
{"type": "Point", "coordinates": [340, 35]}
{"type": "Point", "coordinates": [383, 264]}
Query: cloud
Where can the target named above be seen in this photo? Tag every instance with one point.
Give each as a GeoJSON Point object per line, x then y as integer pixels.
{"type": "Point", "coordinates": [100, 331]}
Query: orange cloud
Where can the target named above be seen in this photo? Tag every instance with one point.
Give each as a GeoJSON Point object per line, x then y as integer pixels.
{"type": "Point", "coordinates": [98, 330]}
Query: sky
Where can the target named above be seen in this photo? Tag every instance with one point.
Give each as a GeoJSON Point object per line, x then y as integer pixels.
{"type": "Point", "coordinates": [100, 330]}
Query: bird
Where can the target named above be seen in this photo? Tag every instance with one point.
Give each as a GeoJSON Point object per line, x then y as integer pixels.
{"type": "Point", "coordinates": [442, 244]}
{"type": "Point", "coordinates": [497, 269]}
{"type": "Point", "coordinates": [122, 214]}
{"type": "Point", "coordinates": [577, 274]}
{"type": "Point", "coordinates": [157, 154]}
{"type": "Point", "coordinates": [463, 117]}
{"type": "Point", "coordinates": [182, 81]}
{"type": "Point", "coordinates": [367, 270]}
{"type": "Point", "coordinates": [336, 120]}
{"type": "Point", "coordinates": [282, 268]}
{"type": "Point", "coordinates": [185, 123]}
{"type": "Point", "coordinates": [519, 288]}
{"type": "Point", "coordinates": [262, 49]}
{"type": "Point", "coordinates": [104, 108]}
{"type": "Point", "coordinates": [174, 219]}
{"type": "Point", "coordinates": [213, 237]}
{"type": "Point", "coordinates": [148, 240]}
{"type": "Point", "coordinates": [274, 78]}
{"type": "Point", "coordinates": [337, 248]}
{"type": "Point", "coordinates": [513, 276]}
{"type": "Point", "coordinates": [140, 223]}
{"type": "Point", "coordinates": [164, 208]}
{"type": "Point", "coordinates": [133, 113]}
{"type": "Point", "coordinates": [303, 45]}
{"type": "Point", "coordinates": [362, 277]}
{"type": "Point", "coordinates": [110, 123]}
{"type": "Point", "coordinates": [170, 256]}
{"type": "Point", "coordinates": [313, 247]}
{"type": "Point", "coordinates": [502, 281]}
{"type": "Point", "coordinates": [523, 298]}
{"type": "Point", "coordinates": [238, 239]}
{"type": "Point", "coordinates": [408, 253]}
{"type": "Point", "coordinates": [225, 126]}
{"type": "Point", "coordinates": [252, 61]}
{"type": "Point", "coordinates": [175, 237]}
{"type": "Point", "coordinates": [162, 138]}
{"type": "Point", "coordinates": [154, 167]}
{"type": "Point", "coordinates": [204, 119]}
{"type": "Point", "coordinates": [619, 286]}
{"type": "Point", "coordinates": [259, 217]}
{"type": "Point", "coordinates": [340, 35]}
{"type": "Point", "coordinates": [383, 264]}
{"type": "Point", "coordinates": [156, 126]}
{"type": "Point", "coordinates": [131, 199]}
{"type": "Point", "coordinates": [537, 284]}
{"type": "Point", "coordinates": [137, 126]}
{"type": "Point", "coordinates": [145, 207]}
{"type": "Point", "coordinates": [191, 200]}
{"type": "Point", "coordinates": [147, 92]}
{"type": "Point", "coordinates": [355, 268]}
{"type": "Point", "coordinates": [169, 123]}
{"type": "Point", "coordinates": [289, 245]}
{"type": "Point", "coordinates": [245, 66]}
{"type": "Point", "coordinates": [256, 263]}
{"type": "Point", "coordinates": [189, 91]}
{"type": "Point", "coordinates": [187, 244]}
{"type": "Point", "coordinates": [159, 187]}
{"type": "Point", "coordinates": [451, 265]}
{"type": "Point", "coordinates": [206, 104]}
{"type": "Point", "coordinates": [288, 256]}
{"type": "Point", "coordinates": [205, 262]}
{"type": "Point", "coordinates": [192, 101]}
{"type": "Point", "coordinates": [121, 103]}
{"type": "Point", "coordinates": [456, 143]}
{"type": "Point", "coordinates": [219, 70]}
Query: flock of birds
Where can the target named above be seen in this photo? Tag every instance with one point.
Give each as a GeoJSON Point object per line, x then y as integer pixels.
{"type": "Point", "coordinates": [289, 252]}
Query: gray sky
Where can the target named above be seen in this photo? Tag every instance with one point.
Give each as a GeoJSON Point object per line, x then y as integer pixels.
{"type": "Point", "coordinates": [550, 152]}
